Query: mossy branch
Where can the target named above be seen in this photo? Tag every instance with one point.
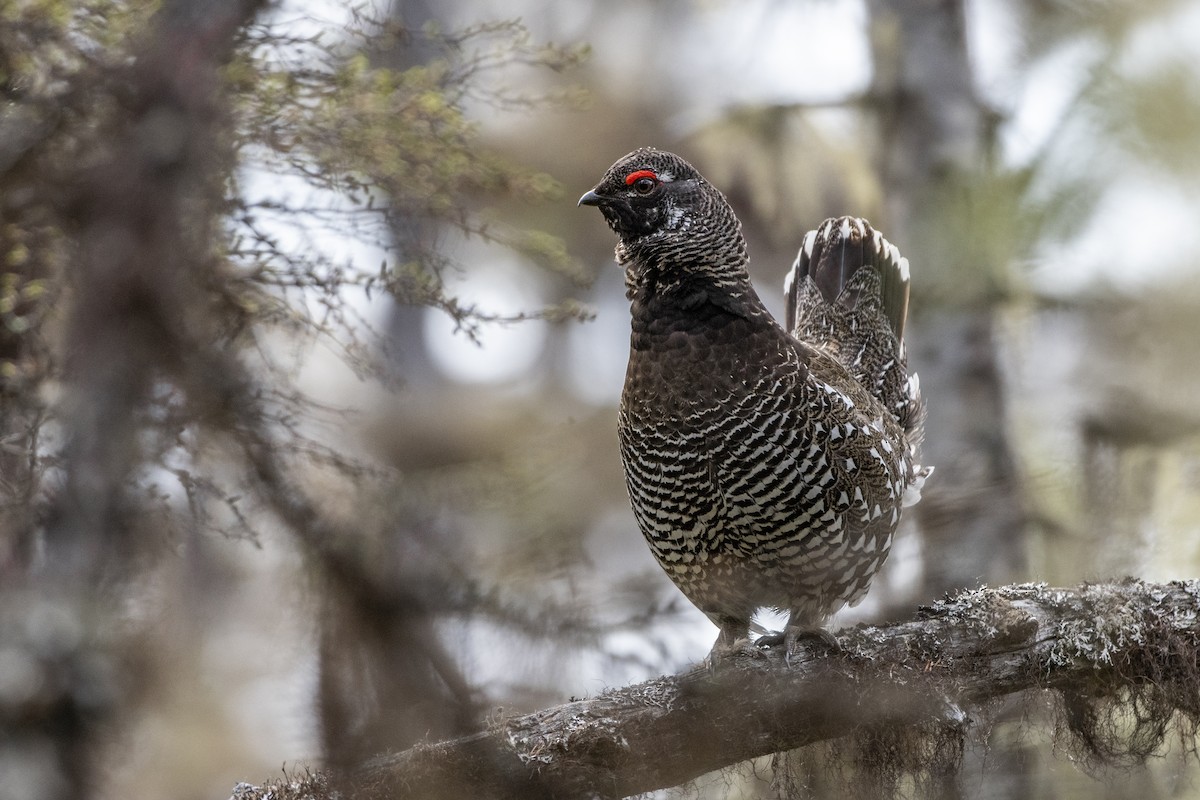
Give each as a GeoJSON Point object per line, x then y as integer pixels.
{"type": "Point", "coordinates": [1122, 656]}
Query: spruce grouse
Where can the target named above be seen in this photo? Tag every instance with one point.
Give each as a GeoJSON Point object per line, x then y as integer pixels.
{"type": "Point", "coordinates": [767, 466]}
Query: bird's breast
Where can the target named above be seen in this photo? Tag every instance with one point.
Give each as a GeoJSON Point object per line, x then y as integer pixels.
{"type": "Point", "coordinates": [681, 365]}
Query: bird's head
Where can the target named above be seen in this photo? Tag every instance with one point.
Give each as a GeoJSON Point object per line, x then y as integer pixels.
{"type": "Point", "coordinates": [674, 226]}
{"type": "Point", "coordinates": [647, 192]}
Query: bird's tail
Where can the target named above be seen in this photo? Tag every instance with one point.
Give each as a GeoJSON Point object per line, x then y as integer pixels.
{"type": "Point", "coordinates": [847, 293]}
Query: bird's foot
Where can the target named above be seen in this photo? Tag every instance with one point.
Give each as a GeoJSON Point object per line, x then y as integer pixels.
{"type": "Point", "coordinates": [724, 651]}
{"type": "Point", "coordinates": [790, 637]}
{"type": "Point", "coordinates": [769, 639]}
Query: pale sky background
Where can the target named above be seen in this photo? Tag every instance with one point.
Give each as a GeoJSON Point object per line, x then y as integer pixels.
{"type": "Point", "coordinates": [766, 60]}
{"type": "Point", "coordinates": [776, 52]}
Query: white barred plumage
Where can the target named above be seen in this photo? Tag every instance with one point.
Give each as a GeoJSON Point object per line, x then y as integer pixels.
{"type": "Point", "coordinates": [766, 466]}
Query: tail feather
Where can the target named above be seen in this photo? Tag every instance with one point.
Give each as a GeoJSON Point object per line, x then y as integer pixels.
{"type": "Point", "coordinates": [847, 293]}
{"type": "Point", "coordinates": [833, 254]}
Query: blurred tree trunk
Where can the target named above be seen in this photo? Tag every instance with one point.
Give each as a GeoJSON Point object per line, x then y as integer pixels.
{"type": "Point", "coordinates": [413, 236]}
{"type": "Point", "coordinates": [140, 209]}
{"type": "Point", "coordinates": [936, 137]}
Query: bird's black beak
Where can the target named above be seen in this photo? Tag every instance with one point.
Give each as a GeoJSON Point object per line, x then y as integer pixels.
{"type": "Point", "coordinates": [590, 199]}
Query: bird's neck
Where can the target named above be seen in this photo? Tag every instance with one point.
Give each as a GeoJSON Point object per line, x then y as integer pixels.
{"type": "Point", "coordinates": [671, 284]}
{"type": "Point", "coordinates": [668, 300]}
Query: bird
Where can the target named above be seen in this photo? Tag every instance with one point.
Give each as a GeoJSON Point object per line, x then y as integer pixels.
{"type": "Point", "coordinates": [767, 464]}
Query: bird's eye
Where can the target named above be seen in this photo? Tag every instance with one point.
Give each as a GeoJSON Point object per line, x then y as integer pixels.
{"type": "Point", "coordinates": [644, 185]}
{"type": "Point", "coordinates": [644, 181]}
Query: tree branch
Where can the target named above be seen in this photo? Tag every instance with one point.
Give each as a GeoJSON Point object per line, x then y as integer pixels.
{"type": "Point", "coordinates": [1093, 644]}
{"type": "Point", "coordinates": [1112, 652]}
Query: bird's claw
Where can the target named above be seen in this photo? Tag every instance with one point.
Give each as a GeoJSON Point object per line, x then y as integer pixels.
{"type": "Point", "coordinates": [739, 648]}
{"type": "Point", "coordinates": [790, 637]}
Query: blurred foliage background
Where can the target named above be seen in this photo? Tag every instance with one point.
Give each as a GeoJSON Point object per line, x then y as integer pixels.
{"type": "Point", "coordinates": [414, 517]}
